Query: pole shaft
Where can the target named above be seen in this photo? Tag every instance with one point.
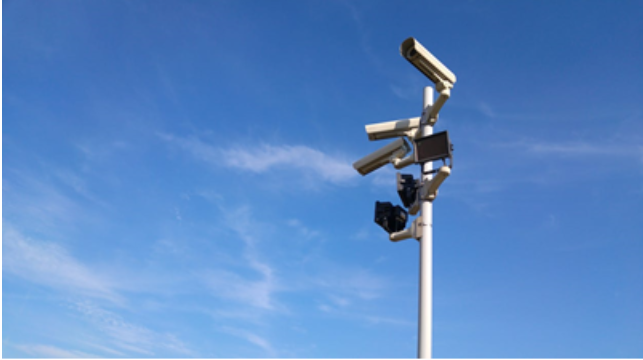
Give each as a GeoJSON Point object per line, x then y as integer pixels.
{"type": "Point", "coordinates": [426, 252]}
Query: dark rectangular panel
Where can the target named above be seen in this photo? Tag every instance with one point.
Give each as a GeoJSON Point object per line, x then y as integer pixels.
{"type": "Point", "coordinates": [432, 147]}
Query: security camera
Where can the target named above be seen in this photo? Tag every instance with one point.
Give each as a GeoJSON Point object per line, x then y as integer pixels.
{"type": "Point", "coordinates": [392, 153]}
{"type": "Point", "coordinates": [432, 68]}
{"type": "Point", "coordinates": [424, 61]}
{"type": "Point", "coordinates": [390, 218]}
{"type": "Point", "coordinates": [391, 129]}
{"type": "Point", "coordinates": [407, 189]}
{"type": "Point", "coordinates": [430, 189]}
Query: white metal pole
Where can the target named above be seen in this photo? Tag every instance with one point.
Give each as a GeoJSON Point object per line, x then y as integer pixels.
{"type": "Point", "coordinates": [426, 251]}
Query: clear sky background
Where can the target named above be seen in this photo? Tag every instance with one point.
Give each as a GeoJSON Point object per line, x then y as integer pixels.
{"type": "Point", "coordinates": [177, 179]}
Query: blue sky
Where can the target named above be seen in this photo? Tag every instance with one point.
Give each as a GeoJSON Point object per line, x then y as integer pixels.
{"type": "Point", "coordinates": [177, 179]}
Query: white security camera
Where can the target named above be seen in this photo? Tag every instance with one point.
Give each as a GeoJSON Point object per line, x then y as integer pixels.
{"type": "Point", "coordinates": [424, 61]}
{"type": "Point", "coordinates": [413, 231]}
{"type": "Point", "coordinates": [430, 190]}
{"type": "Point", "coordinates": [391, 129]}
{"type": "Point", "coordinates": [392, 153]}
{"type": "Point", "coordinates": [432, 68]}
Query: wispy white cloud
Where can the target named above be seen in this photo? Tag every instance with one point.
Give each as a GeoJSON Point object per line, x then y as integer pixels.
{"type": "Point", "coordinates": [244, 289]}
{"type": "Point", "coordinates": [363, 233]}
{"type": "Point", "coordinates": [48, 351]}
{"type": "Point", "coordinates": [339, 300]}
{"type": "Point", "coordinates": [129, 336]}
{"type": "Point", "coordinates": [95, 151]}
{"type": "Point", "coordinates": [609, 151]}
{"type": "Point", "coordinates": [105, 349]}
{"type": "Point", "coordinates": [253, 285]}
{"type": "Point", "coordinates": [341, 311]}
{"type": "Point", "coordinates": [302, 229]}
{"type": "Point", "coordinates": [39, 204]}
{"type": "Point", "coordinates": [265, 157]}
{"type": "Point", "coordinates": [300, 157]}
{"type": "Point", "coordinates": [78, 184]}
{"type": "Point", "coordinates": [384, 177]}
{"type": "Point", "coordinates": [349, 283]}
{"type": "Point", "coordinates": [230, 285]}
{"type": "Point", "coordinates": [486, 109]}
{"type": "Point", "coordinates": [408, 86]}
{"type": "Point", "coordinates": [360, 283]}
{"type": "Point", "coordinates": [578, 148]}
{"type": "Point", "coordinates": [251, 338]}
{"type": "Point", "coordinates": [52, 265]}
{"type": "Point", "coordinates": [389, 321]}
{"type": "Point", "coordinates": [235, 313]}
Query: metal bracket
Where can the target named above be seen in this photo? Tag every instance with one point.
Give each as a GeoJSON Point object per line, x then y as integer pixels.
{"type": "Point", "coordinates": [413, 231]}
{"type": "Point", "coordinates": [430, 189]}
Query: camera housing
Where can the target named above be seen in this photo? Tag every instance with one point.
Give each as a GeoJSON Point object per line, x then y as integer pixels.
{"type": "Point", "coordinates": [396, 128]}
{"type": "Point", "coordinates": [432, 68]}
{"type": "Point", "coordinates": [391, 218]}
{"type": "Point", "coordinates": [424, 61]}
{"type": "Point", "coordinates": [392, 153]}
{"type": "Point", "coordinates": [406, 188]}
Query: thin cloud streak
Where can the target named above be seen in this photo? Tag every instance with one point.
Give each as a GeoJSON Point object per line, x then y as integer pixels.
{"type": "Point", "coordinates": [576, 148]}
{"type": "Point", "coordinates": [582, 148]}
{"type": "Point", "coordinates": [384, 177]}
{"type": "Point", "coordinates": [349, 283]}
{"type": "Point", "coordinates": [40, 204]}
{"type": "Point", "coordinates": [352, 314]}
{"type": "Point", "coordinates": [266, 157]}
{"type": "Point", "coordinates": [251, 338]}
{"type": "Point", "coordinates": [230, 285]}
{"type": "Point", "coordinates": [51, 265]}
{"type": "Point", "coordinates": [300, 157]}
{"type": "Point", "coordinates": [47, 351]}
{"type": "Point", "coordinates": [129, 336]}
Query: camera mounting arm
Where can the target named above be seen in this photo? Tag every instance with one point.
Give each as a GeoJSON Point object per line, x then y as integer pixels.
{"type": "Point", "coordinates": [430, 114]}
{"type": "Point", "coordinates": [413, 231]}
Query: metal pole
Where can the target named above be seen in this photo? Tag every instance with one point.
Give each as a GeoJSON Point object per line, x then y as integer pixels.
{"type": "Point", "coordinates": [426, 251]}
